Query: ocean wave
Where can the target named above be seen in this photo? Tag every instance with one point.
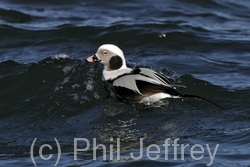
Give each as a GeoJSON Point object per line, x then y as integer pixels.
{"type": "Point", "coordinates": [48, 91]}
{"type": "Point", "coordinates": [14, 16]}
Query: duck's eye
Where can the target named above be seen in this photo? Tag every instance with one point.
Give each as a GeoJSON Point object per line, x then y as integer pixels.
{"type": "Point", "coordinates": [105, 53]}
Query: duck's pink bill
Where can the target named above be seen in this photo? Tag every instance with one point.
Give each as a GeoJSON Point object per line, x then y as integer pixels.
{"type": "Point", "coordinates": [90, 59]}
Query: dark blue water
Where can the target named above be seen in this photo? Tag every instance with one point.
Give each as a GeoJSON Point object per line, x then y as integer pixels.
{"type": "Point", "coordinates": [48, 91]}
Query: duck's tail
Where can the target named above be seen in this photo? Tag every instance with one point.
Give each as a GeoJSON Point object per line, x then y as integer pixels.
{"type": "Point", "coordinates": [199, 97]}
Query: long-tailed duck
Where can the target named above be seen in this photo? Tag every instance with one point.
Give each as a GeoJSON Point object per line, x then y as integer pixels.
{"type": "Point", "coordinates": [139, 84]}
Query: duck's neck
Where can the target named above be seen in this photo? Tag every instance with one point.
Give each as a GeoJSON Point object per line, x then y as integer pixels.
{"type": "Point", "coordinates": [110, 75]}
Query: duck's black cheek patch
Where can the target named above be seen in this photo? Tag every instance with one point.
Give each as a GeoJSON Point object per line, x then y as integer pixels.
{"type": "Point", "coordinates": [115, 63]}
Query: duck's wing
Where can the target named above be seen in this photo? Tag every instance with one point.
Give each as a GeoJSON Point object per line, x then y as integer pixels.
{"type": "Point", "coordinates": [154, 75]}
{"type": "Point", "coordinates": [141, 83]}
{"type": "Point", "coordinates": [131, 82]}
{"type": "Point", "coordinates": [159, 77]}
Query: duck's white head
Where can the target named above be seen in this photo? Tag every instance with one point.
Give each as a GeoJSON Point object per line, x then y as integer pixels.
{"type": "Point", "coordinates": [111, 56]}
